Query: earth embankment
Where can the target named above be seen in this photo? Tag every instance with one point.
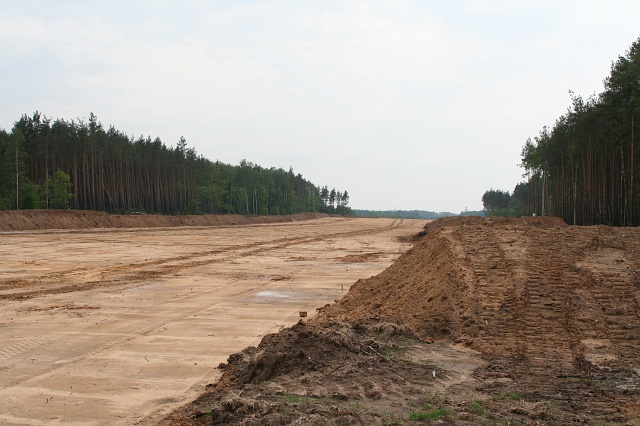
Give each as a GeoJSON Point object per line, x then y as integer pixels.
{"type": "Point", "coordinates": [516, 321]}
{"type": "Point", "coordinates": [31, 220]}
{"type": "Point", "coordinates": [533, 289]}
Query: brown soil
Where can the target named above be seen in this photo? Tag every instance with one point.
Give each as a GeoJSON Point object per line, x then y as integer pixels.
{"type": "Point", "coordinates": [484, 321]}
{"type": "Point", "coordinates": [123, 326]}
{"type": "Point", "coordinates": [30, 220]}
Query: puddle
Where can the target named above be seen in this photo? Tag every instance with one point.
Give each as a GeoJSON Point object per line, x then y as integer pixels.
{"type": "Point", "coordinates": [274, 294]}
{"type": "Point", "coordinates": [146, 286]}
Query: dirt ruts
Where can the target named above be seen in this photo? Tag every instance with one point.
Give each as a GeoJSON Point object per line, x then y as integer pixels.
{"type": "Point", "coordinates": [520, 321]}
{"type": "Point", "coordinates": [122, 326]}
{"type": "Point", "coordinates": [67, 281]}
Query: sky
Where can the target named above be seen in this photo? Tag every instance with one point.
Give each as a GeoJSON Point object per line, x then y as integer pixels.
{"type": "Point", "coordinates": [407, 105]}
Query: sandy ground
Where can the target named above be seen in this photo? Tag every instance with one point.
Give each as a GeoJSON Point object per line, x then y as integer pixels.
{"type": "Point", "coordinates": [123, 326]}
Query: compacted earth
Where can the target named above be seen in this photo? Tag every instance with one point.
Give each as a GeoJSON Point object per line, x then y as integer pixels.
{"type": "Point", "coordinates": [482, 322]}
{"type": "Point", "coordinates": [119, 320]}
{"type": "Point", "coordinates": [227, 320]}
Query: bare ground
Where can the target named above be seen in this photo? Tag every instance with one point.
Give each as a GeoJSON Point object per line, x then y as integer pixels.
{"type": "Point", "coordinates": [122, 326]}
{"type": "Point", "coordinates": [30, 220]}
{"type": "Point", "coordinates": [484, 321]}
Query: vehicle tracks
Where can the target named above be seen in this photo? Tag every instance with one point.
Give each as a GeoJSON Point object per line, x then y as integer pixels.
{"type": "Point", "coordinates": [85, 278]}
{"type": "Point", "coordinates": [137, 333]}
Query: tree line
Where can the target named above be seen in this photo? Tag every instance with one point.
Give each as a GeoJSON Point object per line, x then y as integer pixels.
{"type": "Point", "coordinates": [586, 168]}
{"type": "Point", "coordinates": [497, 202]}
{"type": "Point", "coordinates": [80, 165]}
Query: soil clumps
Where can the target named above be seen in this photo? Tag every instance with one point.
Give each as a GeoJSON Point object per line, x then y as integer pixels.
{"type": "Point", "coordinates": [484, 321]}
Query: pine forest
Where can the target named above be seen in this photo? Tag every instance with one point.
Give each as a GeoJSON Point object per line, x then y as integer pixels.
{"type": "Point", "coordinates": [46, 164]}
{"type": "Point", "coordinates": [586, 168]}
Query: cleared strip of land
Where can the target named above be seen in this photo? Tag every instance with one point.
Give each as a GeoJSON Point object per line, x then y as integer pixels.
{"type": "Point", "coordinates": [121, 326]}
{"type": "Point", "coordinates": [490, 321]}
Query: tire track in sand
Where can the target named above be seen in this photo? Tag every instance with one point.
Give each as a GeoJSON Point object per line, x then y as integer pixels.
{"type": "Point", "coordinates": [133, 272]}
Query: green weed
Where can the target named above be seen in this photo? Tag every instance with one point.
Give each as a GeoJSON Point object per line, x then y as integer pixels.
{"type": "Point", "coordinates": [297, 399]}
{"type": "Point", "coordinates": [476, 407]}
{"type": "Point", "coordinates": [435, 413]}
{"type": "Point", "coordinates": [396, 350]}
{"type": "Point", "coordinates": [357, 405]}
{"type": "Point", "coordinates": [507, 396]}
{"type": "Point", "coordinates": [389, 419]}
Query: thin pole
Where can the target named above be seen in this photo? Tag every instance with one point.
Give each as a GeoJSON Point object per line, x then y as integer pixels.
{"type": "Point", "coordinates": [17, 188]}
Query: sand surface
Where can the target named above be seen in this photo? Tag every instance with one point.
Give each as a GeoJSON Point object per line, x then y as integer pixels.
{"type": "Point", "coordinates": [109, 326]}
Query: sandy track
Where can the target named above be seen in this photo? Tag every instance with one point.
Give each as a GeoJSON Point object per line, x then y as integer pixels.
{"type": "Point", "coordinates": [121, 326]}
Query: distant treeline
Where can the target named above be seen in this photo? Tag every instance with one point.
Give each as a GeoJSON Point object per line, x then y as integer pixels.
{"type": "Point", "coordinates": [586, 168]}
{"type": "Point", "coordinates": [412, 214]}
{"type": "Point", "coordinates": [80, 165]}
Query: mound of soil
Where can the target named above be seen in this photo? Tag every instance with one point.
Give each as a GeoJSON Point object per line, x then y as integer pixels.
{"type": "Point", "coordinates": [330, 374]}
{"type": "Point", "coordinates": [530, 288]}
{"type": "Point", "coordinates": [30, 220]}
{"type": "Point", "coordinates": [516, 321]}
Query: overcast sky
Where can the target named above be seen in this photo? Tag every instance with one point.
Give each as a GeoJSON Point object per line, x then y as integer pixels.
{"type": "Point", "coordinates": [404, 104]}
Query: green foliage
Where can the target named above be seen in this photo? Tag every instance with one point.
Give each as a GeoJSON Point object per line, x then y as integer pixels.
{"type": "Point", "coordinates": [60, 190]}
{"type": "Point", "coordinates": [476, 407]}
{"type": "Point", "coordinates": [503, 203]}
{"type": "Point", "coordinates": [497, 203]}
{"type": "Point", "coordinates": [30, 195]}
{"type": "Point", "coordinates": [507, 396]}
{"type": "Point", "coordinates": [17, 190]}
{"type": "Point", "coordinates": [429, 413]}
{"type": "Point", "coordinates": [397, 350]}
{"type": "Point", "coordinates": [81, 165]}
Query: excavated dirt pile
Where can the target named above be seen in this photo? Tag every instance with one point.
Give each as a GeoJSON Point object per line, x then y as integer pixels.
{"type": "Point", "coordinates": [330, 374]}
{"type": "Point", "coordinates": [514, 321]}
{"type": "Point", "coordinates": [31, 220]}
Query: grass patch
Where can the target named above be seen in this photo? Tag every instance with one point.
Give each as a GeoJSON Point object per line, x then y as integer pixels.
{"type": "Point", "coordinates": [297, 399]}
{"type": "Point", "coordinates": [357, 405]}
{"type": "Point", "coordinates": [476, 407]}
{"type": "Point", "coordinates": [397, 350]}
{"type": "Point", "coordinates": [432, 414]}
{"type": "Point", "coordinates": [389, 419]}
{"type": "Point", "coordinates": [507, 396]}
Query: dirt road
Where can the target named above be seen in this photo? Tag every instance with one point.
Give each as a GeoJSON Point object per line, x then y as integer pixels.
{"type": "Point", "coordinates": [122, 326]}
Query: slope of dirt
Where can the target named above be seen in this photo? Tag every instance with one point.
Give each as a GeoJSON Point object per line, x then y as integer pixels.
{"type": "Point", "coordinates": [31, 220]}
{"type": "Point", "coordinates": [516, 321]}
{"type": "Point", "coordinates": [313, 374]}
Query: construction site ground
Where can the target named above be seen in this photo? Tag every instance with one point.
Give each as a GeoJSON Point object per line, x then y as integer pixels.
{"type": "Point", "coordinates": [473, 322]}
{"type": "Point", "coordinates": [483, 322]}
{"type": "Point", "coordinates": [101, 325]}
